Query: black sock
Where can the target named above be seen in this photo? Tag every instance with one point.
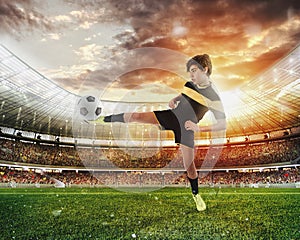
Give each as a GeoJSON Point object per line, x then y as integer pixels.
{"type": "Point", "coordinates": [114, 118]}
{"type": "Point", "coordinates": [194, 185]}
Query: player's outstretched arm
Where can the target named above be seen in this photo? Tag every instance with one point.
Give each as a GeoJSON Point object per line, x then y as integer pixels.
{"type": "Point", "coordinates": [218, 126]}
{"type": "Point", "coordinates": [173, 102]}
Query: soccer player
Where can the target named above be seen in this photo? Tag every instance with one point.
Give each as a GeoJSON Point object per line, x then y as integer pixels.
{"type": "Point", "coordinates": [186, 110]}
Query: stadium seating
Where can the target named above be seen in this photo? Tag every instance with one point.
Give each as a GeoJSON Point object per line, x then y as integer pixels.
{"type": "Point", "coordinates": [255, 154]}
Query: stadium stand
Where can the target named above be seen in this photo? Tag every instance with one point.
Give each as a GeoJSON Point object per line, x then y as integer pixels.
{"type": "Point", "coordinates": [279, 151]}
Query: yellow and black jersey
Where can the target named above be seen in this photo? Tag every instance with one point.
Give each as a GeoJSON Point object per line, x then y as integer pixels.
{"type": "Point", "coordinates": [201, 100]}
{"type": "Point", "coordinates": [193, 104]}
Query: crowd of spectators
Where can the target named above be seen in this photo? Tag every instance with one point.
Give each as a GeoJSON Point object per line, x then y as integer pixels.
{"type": "Point", "coordinates": [139, 178]}
{"type": "Point", "coordinates": [43, 154]}
{"type": "Point", "coordinates": [253, 154]}
{"type": "Point", "coordinates": [243, 154]}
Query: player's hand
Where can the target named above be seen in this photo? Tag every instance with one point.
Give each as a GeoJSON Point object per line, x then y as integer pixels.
{"type": "Point", "coordinates": [173, 104]}
{"type": "Point", "coordinates": [189, 125]}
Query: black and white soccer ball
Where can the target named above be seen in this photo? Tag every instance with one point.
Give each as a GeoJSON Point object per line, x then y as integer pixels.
{"type": "Point", "coordinates": [90, 107]}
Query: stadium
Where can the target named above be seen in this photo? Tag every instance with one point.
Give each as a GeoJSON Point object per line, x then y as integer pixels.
{"type": "Point", "coordinates": [63, 177]}
{"type": "Point", "coordinates": [40, 149]}
{"type": "Point", "coordinates": [262, 137]}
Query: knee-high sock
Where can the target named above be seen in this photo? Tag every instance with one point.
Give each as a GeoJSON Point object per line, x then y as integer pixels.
{"type": "Point", "coordinates": [114, 118]}
{"type": "Point", "coordinates": [194, 185]}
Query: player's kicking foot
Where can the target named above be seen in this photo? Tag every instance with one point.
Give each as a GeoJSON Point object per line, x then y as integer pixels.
{"type": "Point", "coordinates": [98, 120]}
{"type": "Point", "coordinates": [200, 204]}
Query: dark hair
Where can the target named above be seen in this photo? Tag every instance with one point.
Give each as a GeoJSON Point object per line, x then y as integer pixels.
{"type": "Point", "coordinates": [201, 61]}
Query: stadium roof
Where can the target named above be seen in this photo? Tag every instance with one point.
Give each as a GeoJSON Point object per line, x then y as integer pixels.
{"type": "Point", "coordinates": [29, 101]}
{"type": "Point", "coordinates": [270, 101]}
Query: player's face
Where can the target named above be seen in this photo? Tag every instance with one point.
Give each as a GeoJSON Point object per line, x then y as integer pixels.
{"type": "Point", "coordinates": [198, 76]}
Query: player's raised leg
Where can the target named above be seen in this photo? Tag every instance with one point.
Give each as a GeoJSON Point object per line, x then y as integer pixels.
{"type": "Point", "coordinates": [143, 117]}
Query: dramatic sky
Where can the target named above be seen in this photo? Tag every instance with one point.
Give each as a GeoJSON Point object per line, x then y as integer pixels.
{"type": "Point", "coordinates": [138, 48]}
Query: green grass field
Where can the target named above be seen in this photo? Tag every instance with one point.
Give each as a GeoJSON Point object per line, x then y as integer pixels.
{"type": "Point", "coordinates": [168, 213]}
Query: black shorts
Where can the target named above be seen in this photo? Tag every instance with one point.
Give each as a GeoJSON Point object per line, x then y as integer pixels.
{"type": "Point", "coordinates": [169, 120]}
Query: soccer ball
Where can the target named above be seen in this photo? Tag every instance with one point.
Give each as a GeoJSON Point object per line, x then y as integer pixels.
{"type": "Point", "coordinates": [90, 107]}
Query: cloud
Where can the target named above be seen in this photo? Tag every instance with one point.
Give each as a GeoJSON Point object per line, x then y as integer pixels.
{"type": "Point", "coordinates": [19, 15]}
{"type": "Point", "coordinates": [88, 52]}
{"type": "Point", "coordinates": [207, 22]}
{"type": "Point", "coordinates": [242, 37]}
{"type": "Point", "coordinates": [136, 79]}
{"type": "Point", "coordinates": [251, 35]}
{"type": "Point", "coordinates": [129, 70]}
